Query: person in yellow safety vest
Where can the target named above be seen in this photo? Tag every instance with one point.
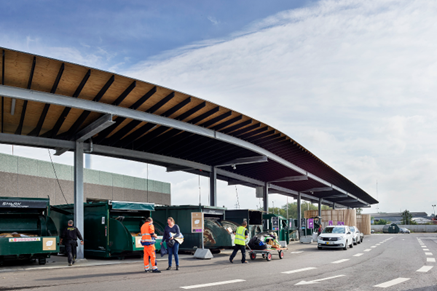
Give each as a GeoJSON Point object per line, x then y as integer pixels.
{"type": "Point", "coordinates": [148, 237]}
{"type": "Point", "coordinates": [240, 243]}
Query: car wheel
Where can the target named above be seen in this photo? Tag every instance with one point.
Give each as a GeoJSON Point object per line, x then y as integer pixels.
{"type": "Point", "coordinates": [345, 246]}
{"type": "Point", "coordinates": [355, 243]}
{"type": "Point", "coordinates": [358, 242]}
{"type": "Point", "coordinates": [319, 248]}
{"type": "Point", "coordinates": [362, 239]}
{"type": "Point", "coordinates": [351, 245]}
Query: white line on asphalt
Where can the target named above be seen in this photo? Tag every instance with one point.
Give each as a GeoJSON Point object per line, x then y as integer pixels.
{"type": "Point", "coordinates": [424, 269]}
{"type": "Point", "coordinates": [213, 284]}
{"type": "Point", "coordinates": [426, 250]}
{"type": "Point", "coordinates": [299, 270]}
{"type": "Point", "coordinates": [392, 282]}
{"type": "Point", "coordinates": [358, 255]}
{"type": "Point", "coordinates": [367, 250]}
{"type": "Point", "coordinates": [428, 254]}
{"type": "Point", "coordinates": [430, 260]}
{"type": "Point", "coordinates": [318, 280]}
{"type": "Point", "coordinates": [340, 261]}
{"type": "Point", "coordinates": [296, 252]}
{"type": "Point", "coordinates": [423, 246]}
{"type": "Point", "coordinates": [373, 247]}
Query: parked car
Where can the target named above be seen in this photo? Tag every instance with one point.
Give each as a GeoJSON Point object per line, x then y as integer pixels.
{"type": "Point", "coordinates": [357, 235]}
{"type": "Point", "coordinates": [404, 230]}
{"type": "Point", "coordinates": [335, 237]}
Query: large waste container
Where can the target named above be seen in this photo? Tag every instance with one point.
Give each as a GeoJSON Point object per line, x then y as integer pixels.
{"type": "Point", "coordinates": [112, 228]}
{"type": "Point", "coordinates": [26, 230]}
{"type": "Point", "coordinates": [278, 224]}
{"type": "Point", "coordinates": [215, 237]}
{"type": "Point", "coordinates": [392, 228]}
{"type": "Point", "coordinates": [235, 218]}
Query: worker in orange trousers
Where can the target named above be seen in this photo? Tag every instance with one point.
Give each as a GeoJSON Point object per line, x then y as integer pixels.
{"type": "Point", "coordinates": [148, 237]}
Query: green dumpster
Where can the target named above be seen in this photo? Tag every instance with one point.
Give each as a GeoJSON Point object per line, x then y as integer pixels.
{"type": "Point", "coordinates": [215, 237]}
{"type": "Point", "coordinates": [112, 228]}
{"type": "Point", "coordinates": [392, 228]}
{"type": "Point", "coordinates": [278, 224]}
{"type": "Point", "coordinates": [235, 218]}
{"type": "Point", "coordinates": [26, 230]}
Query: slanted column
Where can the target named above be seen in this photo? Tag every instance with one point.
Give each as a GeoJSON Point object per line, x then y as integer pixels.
{"type": "Point", "coordinates": [213, 186]}
{"type": "Point", "coordinates": [333, 206]}
{"type": "Point", "coordinates": [78, 195]}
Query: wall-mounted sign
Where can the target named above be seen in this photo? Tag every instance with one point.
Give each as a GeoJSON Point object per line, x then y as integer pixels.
{"type": "Point", "coordinates": [197, 222]}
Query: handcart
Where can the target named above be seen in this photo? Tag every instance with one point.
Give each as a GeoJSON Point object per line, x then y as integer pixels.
{"type": "Point", "coordinates": [266, 254]}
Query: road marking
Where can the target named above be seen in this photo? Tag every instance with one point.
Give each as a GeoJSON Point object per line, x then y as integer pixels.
{"type": "Point", "coordinates": [423, 246]}
{"type": "Point", "coordinates": [299, 270]}
{"type": "Point", "coordinates": [428, 254]}
{"type": "Point", "coordinates": [296, 252]}
{"type": "Point", "coordinates": [340, 261]}
{"type": "Point", "coordinates": [392, 282]}
{"type": "Point", "coordinates": [367, 250]}
{"type": "Point", "coordinates": [318, 280]}
{"type": "Point", "coordinates": [373, 247]}
{"type": "Point", "coordinates": [426, 250]}
{"type": "Point", "coordinates": [213, 284]}
{"type": "Point", "coordinates": [358, 255]}
{"type": "Point", "coordinates": [424, 269]}
{"type": "Point", "coordinates": [430, 260]}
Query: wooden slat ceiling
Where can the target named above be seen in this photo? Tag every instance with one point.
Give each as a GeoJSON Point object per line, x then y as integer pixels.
{"type": "Point", "coordinates": [63, 78]}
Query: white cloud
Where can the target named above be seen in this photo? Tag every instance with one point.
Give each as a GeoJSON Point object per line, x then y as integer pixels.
{"type": "Point", "coordinates": [353, 81]}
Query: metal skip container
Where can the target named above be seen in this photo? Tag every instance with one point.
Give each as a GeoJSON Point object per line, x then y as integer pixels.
{"type": "Point", "coordinates": [215, 237]}
{"type": "Point", "coordinates": [26, 230]}
{"type": "Point", "coordinates": [235, 217]}
{"type": "Point", "coordinates": [278, 224]}
{"type": "Point", "coordinates": [112, 228]}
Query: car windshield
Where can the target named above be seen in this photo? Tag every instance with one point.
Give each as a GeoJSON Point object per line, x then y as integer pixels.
{"type": "Point", "coordinates": [352, 229]}
{"type": "Point", "coordinates": [334, 230]}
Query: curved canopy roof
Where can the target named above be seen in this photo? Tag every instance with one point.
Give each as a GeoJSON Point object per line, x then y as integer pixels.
{"type": "Point", "coordinates": [51, 103]}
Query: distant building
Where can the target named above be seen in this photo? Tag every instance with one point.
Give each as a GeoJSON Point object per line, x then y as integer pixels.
{"type": "Point", "coordinates": [24, 177]}
{"type": "Point", "coordinates": [396, 217]}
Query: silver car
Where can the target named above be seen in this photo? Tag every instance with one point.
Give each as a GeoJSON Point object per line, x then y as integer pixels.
{"type": "Point", "coordinates": [357, 235]}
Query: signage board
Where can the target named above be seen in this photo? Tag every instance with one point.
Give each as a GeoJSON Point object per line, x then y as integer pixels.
{"type": "Point", "coordinates": [275, 223]}
{"type": "Point", "coordinates": [9, 203]}
{"type": "Point", "coordinates": [197, 222]}
{"type": "Point", "coordinates": [310, 223]}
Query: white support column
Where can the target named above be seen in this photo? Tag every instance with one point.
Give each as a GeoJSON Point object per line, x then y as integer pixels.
{"type": "Point", "coordinates": [78, 195]}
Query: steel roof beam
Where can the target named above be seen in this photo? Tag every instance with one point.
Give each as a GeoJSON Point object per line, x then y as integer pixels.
{"type": "Point", "coordinates": [244, 161]}
{"type": "Point", "coordinates": [291, 179]}
{"type": "Point", "coordinates": [37, 96]}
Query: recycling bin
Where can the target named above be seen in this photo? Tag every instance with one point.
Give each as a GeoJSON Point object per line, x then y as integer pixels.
{"type": "Point", "coordinates": [112, 228]}
{"type": "Point", "coordinates": [26, 230]}
{"type": "Point", "coordinates": [215, 236]}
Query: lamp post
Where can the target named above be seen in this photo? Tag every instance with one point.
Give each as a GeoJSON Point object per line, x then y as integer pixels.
{"type": "Point", "coordinates": [433, 209]}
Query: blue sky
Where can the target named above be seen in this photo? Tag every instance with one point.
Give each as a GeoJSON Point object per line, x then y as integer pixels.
{"type": "Point", "coordinates": [351, 80]}
{"type": "Point", "coordinates": [127, 32]}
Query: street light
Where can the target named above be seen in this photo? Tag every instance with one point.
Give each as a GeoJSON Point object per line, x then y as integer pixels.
{"type": "Point", "coordinates": [433, 209]}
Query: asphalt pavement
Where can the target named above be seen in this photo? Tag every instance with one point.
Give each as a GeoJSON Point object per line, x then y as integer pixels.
{"type": "Point", "coordinates": [392, 262]}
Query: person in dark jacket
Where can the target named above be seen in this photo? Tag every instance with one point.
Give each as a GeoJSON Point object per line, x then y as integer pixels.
{"type": "Point", "coordinates": [69, 238]}
{"type": "Point", "coordinates": [171, 231]}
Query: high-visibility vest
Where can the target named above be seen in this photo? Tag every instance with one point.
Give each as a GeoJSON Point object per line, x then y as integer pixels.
{"type": "Point", "coordinates": [146, 233]}
{"type": "Point", "coordinates": [240, 236]}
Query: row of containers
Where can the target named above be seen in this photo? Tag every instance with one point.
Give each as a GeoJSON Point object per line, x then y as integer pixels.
{"type": "Point", "coordinates": [30, 227]}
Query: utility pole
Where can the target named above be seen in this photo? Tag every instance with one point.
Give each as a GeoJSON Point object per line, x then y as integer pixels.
{"type": "Point", "coordinates": [433, 209]}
